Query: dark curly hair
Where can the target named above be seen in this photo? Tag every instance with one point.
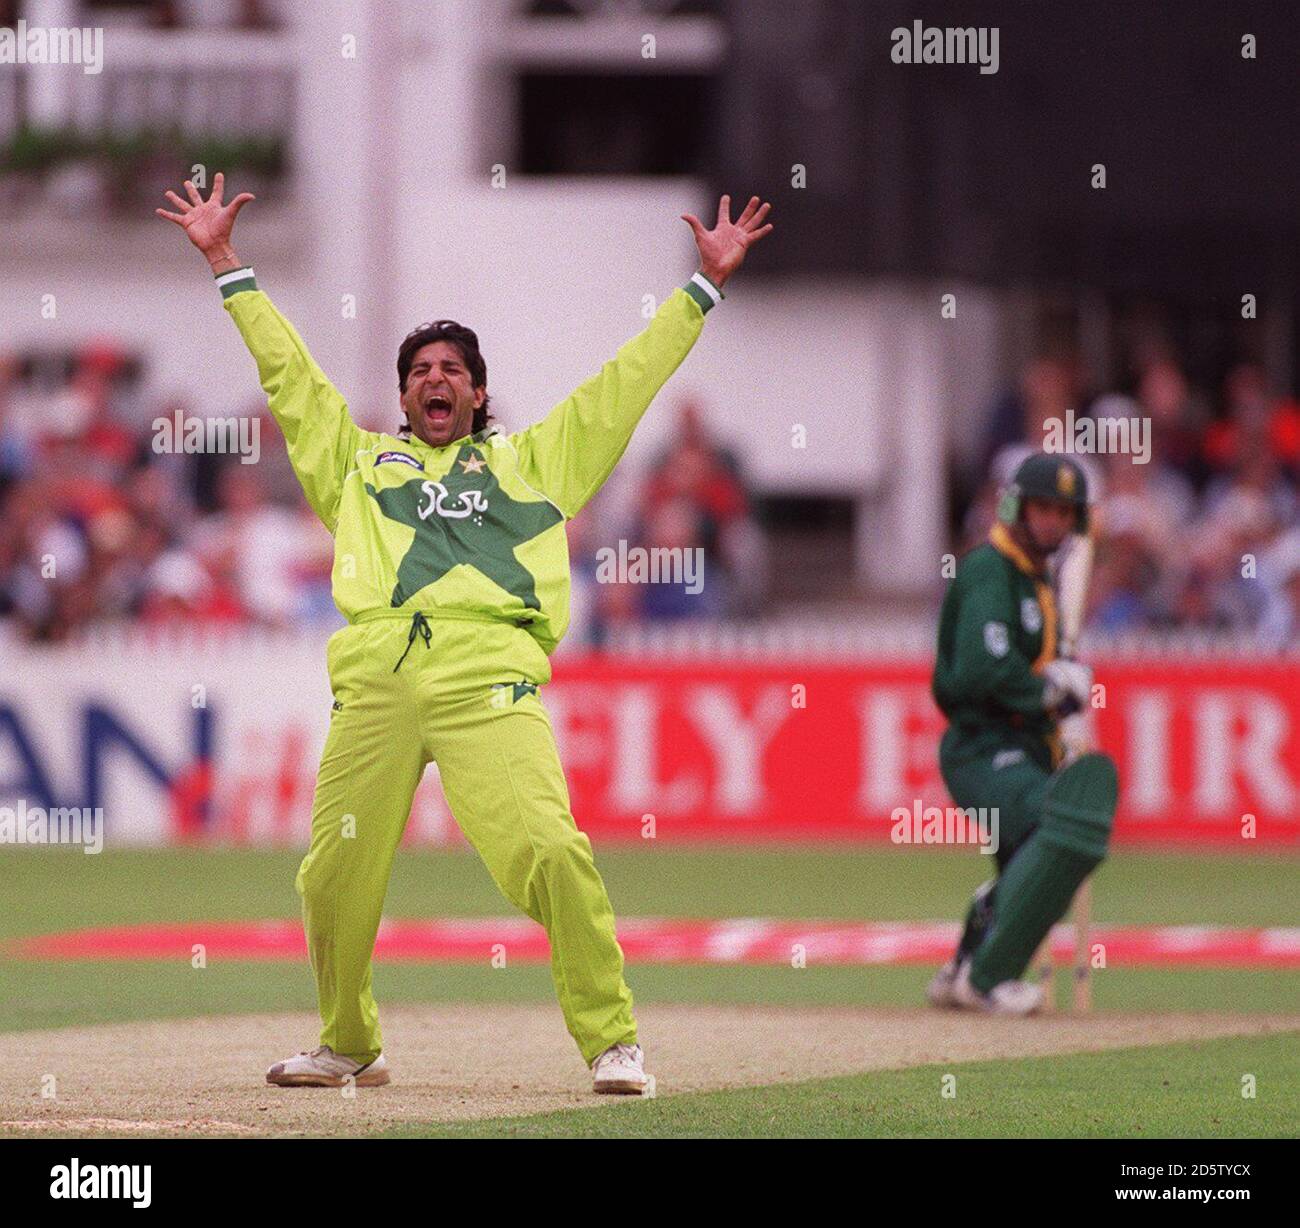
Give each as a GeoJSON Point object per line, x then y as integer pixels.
{"type": "Point", "coordinates": [466, 341]}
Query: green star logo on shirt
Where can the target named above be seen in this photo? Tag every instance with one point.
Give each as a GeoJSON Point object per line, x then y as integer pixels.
{"type": "Point", "coordinates": [466, 518]}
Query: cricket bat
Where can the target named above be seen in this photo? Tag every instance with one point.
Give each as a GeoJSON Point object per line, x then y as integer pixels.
{"type": "Point", "coordinates": [1079, 736]}
{"type": "Point", "coordinates": [1072, 579]}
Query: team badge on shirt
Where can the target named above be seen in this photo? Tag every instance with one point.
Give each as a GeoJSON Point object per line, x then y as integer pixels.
{"type": "Point", "coordinates": [503, 694]}
{"type": "Point", "coordinates": [1031, 615]}
{"type": "Point", "coordinates": [996, 639]}
{"type": "Point", "coordinates": [404, 457]}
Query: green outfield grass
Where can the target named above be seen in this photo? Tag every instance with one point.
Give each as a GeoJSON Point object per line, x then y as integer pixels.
{"type": "Point", "coordinates": [61, 889]}
{"type": "Point", "coordinates": [64, 994]}
{"type": "Point", "coordinates": [1166, 1091]}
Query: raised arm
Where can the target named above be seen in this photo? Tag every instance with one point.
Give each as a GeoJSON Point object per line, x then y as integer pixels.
{"type": "Point", "coordinates": [568, 455]}
{"type": "Point", "coordinates": [321, 436]}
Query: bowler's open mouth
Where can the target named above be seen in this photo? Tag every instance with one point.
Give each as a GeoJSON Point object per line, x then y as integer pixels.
{"type": "Point", "coordinates": [437, 409]}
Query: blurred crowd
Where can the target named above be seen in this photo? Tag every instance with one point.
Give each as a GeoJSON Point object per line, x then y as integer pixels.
{"type": "Point", "coordinates": [96, 527]}
{"type": "Point", "coordinates": [1203, 536]}
{"type": "Point", "coordinates": [693, 501]}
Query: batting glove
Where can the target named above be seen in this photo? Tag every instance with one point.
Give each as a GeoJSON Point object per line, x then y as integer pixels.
{"type": "Point", "coordinates": [1068, 689]}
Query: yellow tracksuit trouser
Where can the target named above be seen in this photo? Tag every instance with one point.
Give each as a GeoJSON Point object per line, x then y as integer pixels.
{"type": "Point", "coordinates": [465, 697]}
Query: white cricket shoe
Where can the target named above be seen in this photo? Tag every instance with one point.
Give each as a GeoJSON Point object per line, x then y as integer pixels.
{"type": "Point", "coordinates": [939, 992]}
{"type": "Point", "coordinates": [620, 1071]}
{"type": "Point", "coordinates": [1007, 998]}
{"type": "Point", "coordinates": [324, 1068]}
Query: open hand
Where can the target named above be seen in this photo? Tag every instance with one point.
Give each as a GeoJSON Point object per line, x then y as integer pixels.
{"type": "Point", "coordinates": [723, 248]}
{"type": "Point", "coordinates": [207, 223]}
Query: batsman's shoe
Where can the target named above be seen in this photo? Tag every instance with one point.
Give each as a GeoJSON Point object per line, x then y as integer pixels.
{"type": "Point", "coordinates": [939, 992]}
{"type": "Point", "coordinates": [620, 1071]}
{"type": "Point", "coordinates": [1007, 998]}
{"type": "Point", "coordinates": [324, 1068]}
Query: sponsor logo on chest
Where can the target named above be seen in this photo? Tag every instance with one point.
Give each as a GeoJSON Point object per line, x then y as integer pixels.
{"type": "Point", "coordinates": [402, 458]}
{"type": "Point", "coordinates": [1031, 615]}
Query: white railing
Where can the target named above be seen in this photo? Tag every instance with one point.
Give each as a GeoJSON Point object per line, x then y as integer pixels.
{"type": "Point", "coordinates": [797, 639]}
{"type": "Point", "coordinates": [904, 638]}
{"type": "Point", "coordinates": [230, 82]}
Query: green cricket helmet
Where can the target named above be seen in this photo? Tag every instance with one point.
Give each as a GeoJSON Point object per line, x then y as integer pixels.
{"type": "Point", "coordinates": [1046, 475]}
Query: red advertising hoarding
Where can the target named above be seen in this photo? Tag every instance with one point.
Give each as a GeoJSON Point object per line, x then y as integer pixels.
{"type": "Point", "coordinates": [701, 748]}
{"type": "Point", "coordinates": [1208, 750]}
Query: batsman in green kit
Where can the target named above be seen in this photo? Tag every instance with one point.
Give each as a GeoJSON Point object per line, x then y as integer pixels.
{"type": "Point", "coordinates": [1005, 692]}
{"type": "Point", "coordinates": [451, 567]}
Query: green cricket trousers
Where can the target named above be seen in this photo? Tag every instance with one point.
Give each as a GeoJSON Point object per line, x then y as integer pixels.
{"type": "Point", "coordinates": [462, 693]}
{"type": "Point", "coordinates": [1053, 831]}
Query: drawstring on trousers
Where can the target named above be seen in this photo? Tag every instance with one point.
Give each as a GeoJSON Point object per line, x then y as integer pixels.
{"type": "Point", "coordinates": [419, 626]}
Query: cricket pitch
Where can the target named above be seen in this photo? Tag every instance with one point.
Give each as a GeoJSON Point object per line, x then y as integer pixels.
{"type": "Point", "coordinates": [195, 1077]}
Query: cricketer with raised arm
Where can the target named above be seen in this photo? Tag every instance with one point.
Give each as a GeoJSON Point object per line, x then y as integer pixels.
{"type": "Point", "coordinates": [1005, 691]}
{"type": "Point", "coordinates": [452, 569]}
